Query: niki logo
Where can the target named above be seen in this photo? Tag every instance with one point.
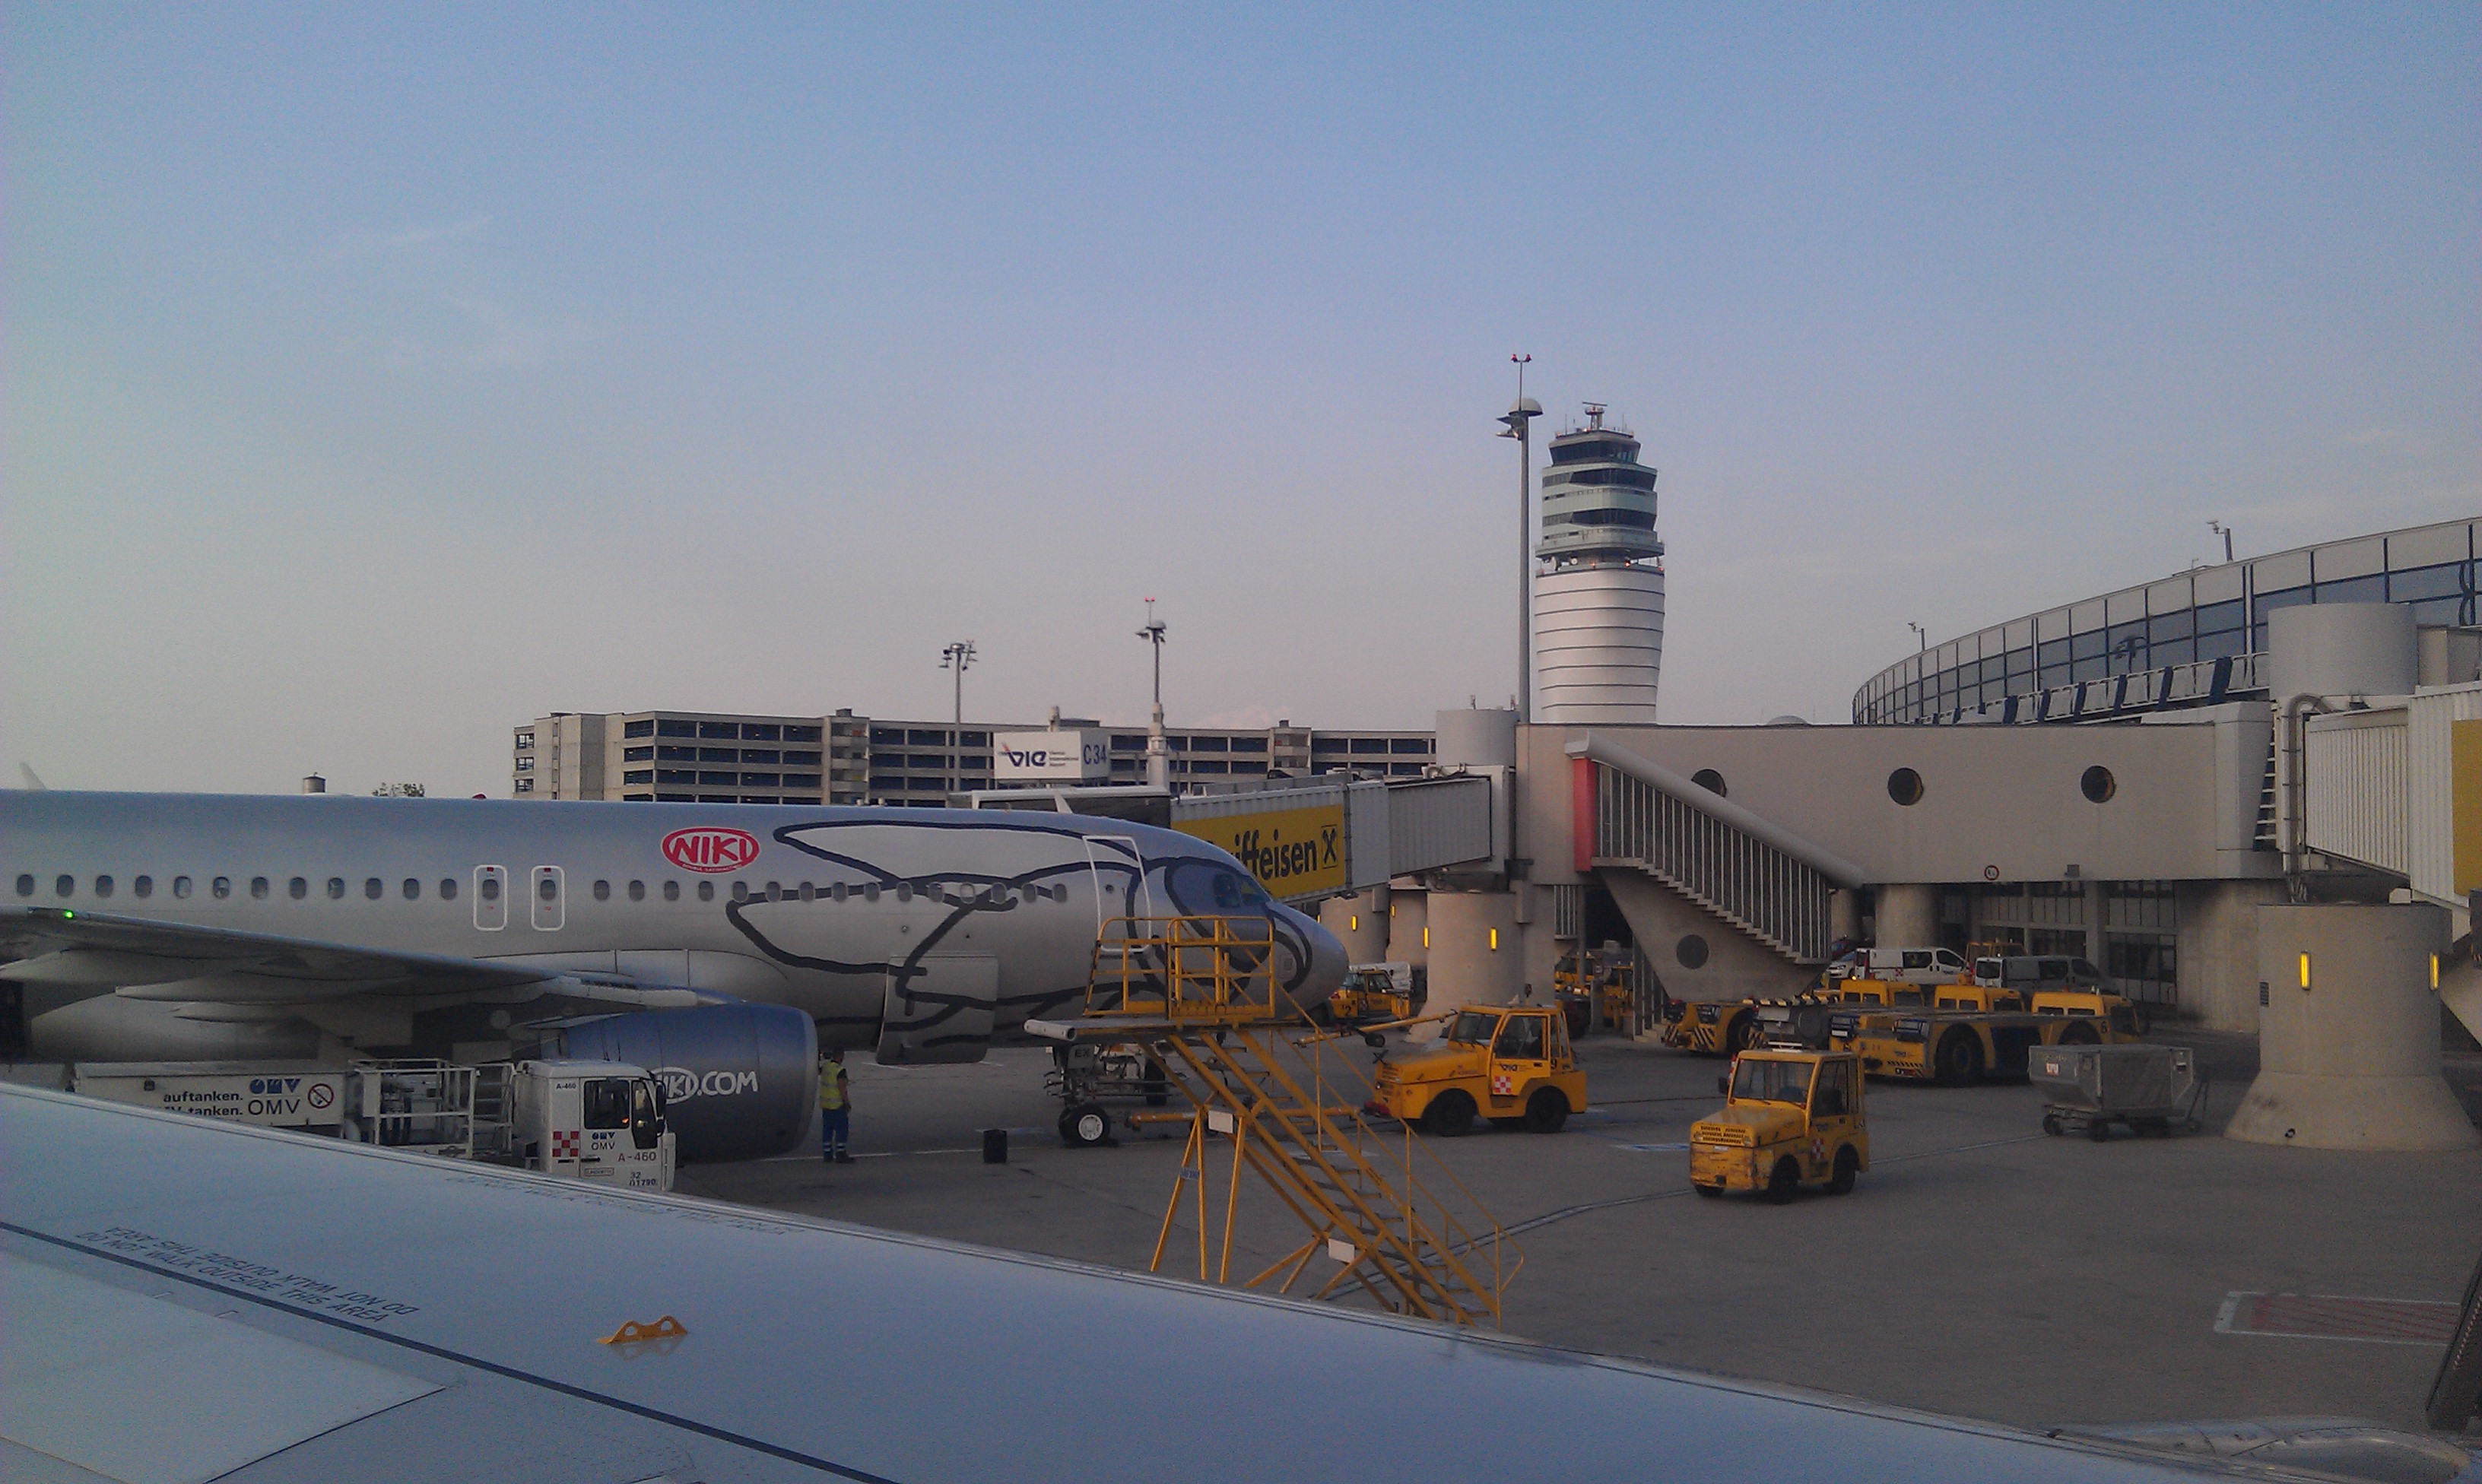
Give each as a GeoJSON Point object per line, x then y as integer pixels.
{"type": "Point", "coordinates": [710, 849]}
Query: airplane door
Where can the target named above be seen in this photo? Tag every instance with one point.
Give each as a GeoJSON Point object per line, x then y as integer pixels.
{"type": "Point", "coordinates": [1121, 888]}
{"type": "Point", "coordinates": [549, 896]}
{"type": "Point", "coordinates": [490, 897]}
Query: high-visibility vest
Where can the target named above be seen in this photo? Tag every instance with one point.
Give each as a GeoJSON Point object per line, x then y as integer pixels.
{"type": "Point", "coordinates": [832, 1086]}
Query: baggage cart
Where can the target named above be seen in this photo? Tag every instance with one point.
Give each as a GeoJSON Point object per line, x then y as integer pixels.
{"type": "Point", "coordinates": [2148, 1089]}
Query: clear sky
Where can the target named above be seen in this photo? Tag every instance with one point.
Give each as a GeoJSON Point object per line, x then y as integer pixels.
{"type": "Point", "coordinates": [378, 378]}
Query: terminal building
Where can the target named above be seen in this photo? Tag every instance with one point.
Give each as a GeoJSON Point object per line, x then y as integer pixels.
{"type": "Point", "coordinates": [2170, 771]}
{"type": "Point", "coordinates": [840, 758]}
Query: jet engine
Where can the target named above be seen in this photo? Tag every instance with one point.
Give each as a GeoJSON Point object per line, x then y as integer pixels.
{"type": "Point", "coordinates": [740, 1081]}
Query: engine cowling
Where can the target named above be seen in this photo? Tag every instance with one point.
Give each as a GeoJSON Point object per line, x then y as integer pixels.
{"type": "Point", "coordinates": [740, 1080]}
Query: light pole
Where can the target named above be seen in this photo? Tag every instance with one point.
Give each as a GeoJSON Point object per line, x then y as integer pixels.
{"type": "Point", "coordinates": [1519, 419]}
{"type": "Point", "coordinates": [1158, 760]}
{"type": "Point", "coordinates": [1923, 638]}
{"type": "Point", "coordinates": [2224, 531]}
{"type": "Point", "coordinates": [960, 658]}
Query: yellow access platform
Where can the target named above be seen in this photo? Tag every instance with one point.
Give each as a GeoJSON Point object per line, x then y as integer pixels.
{"type": "Point", "coordinates": [1269, 1094]}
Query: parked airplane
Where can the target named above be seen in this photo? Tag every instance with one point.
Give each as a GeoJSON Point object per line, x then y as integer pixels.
{"type": "Point", "coordinates": [191, 926]}
{"type": "Point", "coordinates": [190, 1300]}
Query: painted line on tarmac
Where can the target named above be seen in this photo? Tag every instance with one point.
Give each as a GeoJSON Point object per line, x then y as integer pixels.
{"type": "Point", "coordinates": [1549, 1217]}
{"type": "Point", "coordinates": [1654, 1149]}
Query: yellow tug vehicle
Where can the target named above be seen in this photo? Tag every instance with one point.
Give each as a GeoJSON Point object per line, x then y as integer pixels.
{"type": "Point", "coordinates": [1791, 1118]}
{"type": "Point", "coordinates": [1510, 1063]}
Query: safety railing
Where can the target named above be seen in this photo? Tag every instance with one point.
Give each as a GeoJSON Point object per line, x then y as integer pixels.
{"type": "Point", "coordinates": [1767, 891]}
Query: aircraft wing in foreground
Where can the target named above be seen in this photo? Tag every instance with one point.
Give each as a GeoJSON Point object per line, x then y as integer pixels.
{"type": "Point", "coordinates": [189, 1301]}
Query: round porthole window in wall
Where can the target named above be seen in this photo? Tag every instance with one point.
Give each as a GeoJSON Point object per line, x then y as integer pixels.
{"type": "Point", "coordinates": [1691, 950]}
{"type": "Point", "coordinates": [1904, 786]}
{"type": "Point", "coordinates": [1710, 780]}
{"type": "Point", "coordinates": [2098, 785]}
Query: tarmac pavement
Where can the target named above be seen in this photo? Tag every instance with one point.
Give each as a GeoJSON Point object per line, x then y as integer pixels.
{"type": "Point", "coordinates": [1980, 1267]}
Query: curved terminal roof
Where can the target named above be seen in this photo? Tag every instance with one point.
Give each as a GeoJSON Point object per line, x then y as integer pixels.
{"type": "Point", "coordinates": [2193, 639]}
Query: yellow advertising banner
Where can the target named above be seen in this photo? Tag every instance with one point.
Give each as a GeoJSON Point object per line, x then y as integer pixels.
{"type": "Point", "coordinates": [1292, 851]}
{"type": "Point", "coordinates": [2464, 797]}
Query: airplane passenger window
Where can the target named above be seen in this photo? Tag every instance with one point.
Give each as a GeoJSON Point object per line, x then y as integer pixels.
{"type": "Point", "coordinates": [259, 888]}
{"type": "Point", "coordinates": [869, 893]}
{"type": "Point", "coordinates": [741, 890]}
{"type": "Point", "coordinates": [490, 888]}
{"type": "Point", "coordinates": [372, 888]}
{"type": "Point", "coordinates": [672, 891]}
{"type": "Point", "coordinates": [296, 887]}
{"type": "Point", "coordinates": [636, 890]}
{"type": "Point", "coordinates": [602, 891]}
{"type": "Point", "coordinates": [103, 886]}
{"type": "Point", "coordinates": [447, 887]}
{"type": "Point", "coordinates": [25, 886]}
{"type": "Point", "coordinates": [180, 886]}
{"type": "Point", "coordinates": [335, 888]}
{"type": "Point", "coordinates": [65, 886]}
{"type": "Point", "coordinates": [836, 892]}
{"type": "Point", "coordinates": [412, 888]}
{"type": "Point", "coordinates": [222, 887]}
{"type": "Point", "coordinates": [548, 888]}
{"type": "Point", "coordinates": [707, 891]}
{"type": "Point", "coordinates": [903, 891]}
{"type": "Point", "coordinates": [141, 887]}
{"type": "Point", "coordinates": [774, 891]}
{"type": "Point", "coordinates": [808, 892]}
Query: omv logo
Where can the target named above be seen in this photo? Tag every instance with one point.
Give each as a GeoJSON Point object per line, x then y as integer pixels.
{"type": "Point", "coordinates": [711, 849]}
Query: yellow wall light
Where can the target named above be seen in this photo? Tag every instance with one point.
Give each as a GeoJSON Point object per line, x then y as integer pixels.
{"type": "Point", "coordinates": [1495, 940]}
{"type": "Point", "coordinates": [2305, 972]}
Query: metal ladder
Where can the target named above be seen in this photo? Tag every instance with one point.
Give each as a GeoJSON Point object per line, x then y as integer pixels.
{"type": "Point", "coordinates": [1402, 1231]}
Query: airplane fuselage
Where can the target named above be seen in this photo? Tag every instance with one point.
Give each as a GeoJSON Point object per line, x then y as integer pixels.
{"type": "Point", "coordinates": [832, 911]}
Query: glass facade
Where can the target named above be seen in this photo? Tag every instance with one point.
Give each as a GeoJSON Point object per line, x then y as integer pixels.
{"type": "Point", "coordinates": [2193, 639]}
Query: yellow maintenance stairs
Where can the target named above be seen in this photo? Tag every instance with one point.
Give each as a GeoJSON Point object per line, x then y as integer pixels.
{"type": "Point", "coordinates": [1196, 994]}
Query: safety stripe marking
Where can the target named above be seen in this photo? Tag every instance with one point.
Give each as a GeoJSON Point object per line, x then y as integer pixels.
{"type": "Point", "coordinates": [2387, 1321]}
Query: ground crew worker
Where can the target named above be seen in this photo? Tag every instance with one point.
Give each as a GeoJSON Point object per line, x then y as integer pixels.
{"type": "Point", "coordinates": [835, 1109]}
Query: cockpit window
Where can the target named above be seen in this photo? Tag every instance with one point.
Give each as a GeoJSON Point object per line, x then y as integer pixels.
{"type": "Point", "coordinates": [1236, 890]}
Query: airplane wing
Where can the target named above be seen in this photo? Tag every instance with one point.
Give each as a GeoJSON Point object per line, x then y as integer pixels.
{"type": "Point", "coordinates": [189, 1300]}
{"type": "Point", "coordinates": [185, 963]}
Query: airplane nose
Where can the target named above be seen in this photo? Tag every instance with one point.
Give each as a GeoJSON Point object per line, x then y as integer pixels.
{"type": "Point", "coordinates": [1327, 963]}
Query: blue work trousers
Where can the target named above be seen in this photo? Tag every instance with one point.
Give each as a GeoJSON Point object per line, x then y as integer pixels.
{"type": "Point", "coordinates": [836, 1125]}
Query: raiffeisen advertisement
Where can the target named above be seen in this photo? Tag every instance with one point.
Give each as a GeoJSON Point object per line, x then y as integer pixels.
{"type": "Point", "coordinates": [1291, 853]}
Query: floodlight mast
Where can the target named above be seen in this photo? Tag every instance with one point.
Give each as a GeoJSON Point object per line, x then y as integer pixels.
{"type": "Point", "coordinates": [1519, 421]}
{"type": "Point", "coordinates": [960, 658]}
{"type": "Point", "coordinates": [1158, 758]}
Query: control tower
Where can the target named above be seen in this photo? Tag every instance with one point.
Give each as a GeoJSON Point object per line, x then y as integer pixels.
{"type": "Point", "coordinates": [1599, 595]}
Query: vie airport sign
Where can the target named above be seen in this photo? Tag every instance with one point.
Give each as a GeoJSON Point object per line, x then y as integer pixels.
{"type": "Point", "coordinates": [1073, 756]}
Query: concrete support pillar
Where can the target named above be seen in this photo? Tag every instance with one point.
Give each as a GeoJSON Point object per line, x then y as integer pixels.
{"type": "Point", "coordinates": [1908, 914]}
{"type": "Point", "coordinates": [1475, 957]}
{"type": "Point", "coordinates": [2351, 1061]}
{"type": "Point", "coordinates": [1409, 919]}
{"type": "Point", "coordinates": [1844, 914]}
{"type": "Point", "coordinates": [2218, 950]}
{"type": "Point", "coordinates": [1359, 920]}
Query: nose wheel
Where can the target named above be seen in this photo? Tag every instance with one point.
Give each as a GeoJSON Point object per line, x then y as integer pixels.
{"type": "Point", "coordinates": [1085, 1125]}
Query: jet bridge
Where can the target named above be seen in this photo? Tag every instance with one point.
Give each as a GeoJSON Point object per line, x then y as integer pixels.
{"type": "Point", "coordinates": [1309, 838]}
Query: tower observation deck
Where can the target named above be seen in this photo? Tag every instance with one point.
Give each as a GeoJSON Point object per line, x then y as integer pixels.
{"type": "Point", "coordinates": [1599, 593]}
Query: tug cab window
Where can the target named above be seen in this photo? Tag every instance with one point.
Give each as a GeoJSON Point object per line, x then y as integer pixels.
{"type": "Point", "coordinates": [1772, 1081]}
{"type": "Point", "coordinates": [607, 1102]}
